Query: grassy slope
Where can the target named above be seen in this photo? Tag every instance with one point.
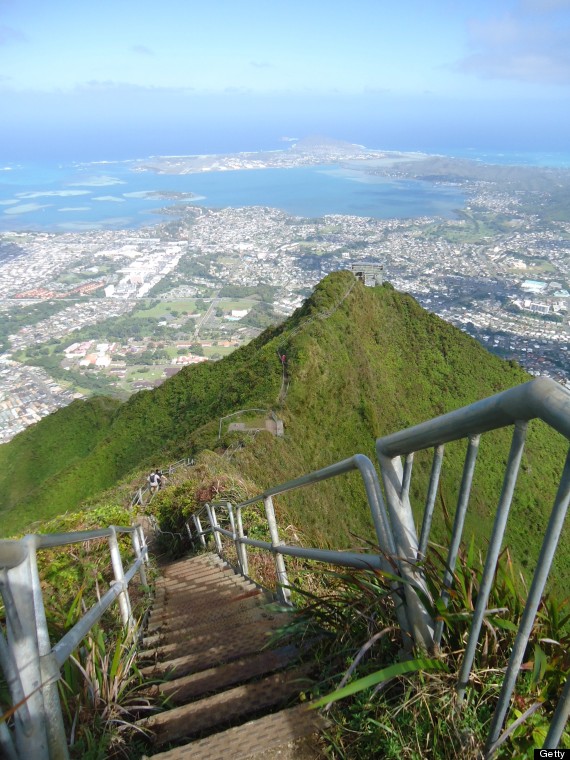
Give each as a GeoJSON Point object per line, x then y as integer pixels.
{"type": "Point", "coordinates": [150, 425]}
{"type": "Point", "coordinates": [377, 364]}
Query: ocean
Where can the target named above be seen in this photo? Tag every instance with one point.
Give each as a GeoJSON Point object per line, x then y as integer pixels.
{"type": "Point", "coordinates": [76, 196]}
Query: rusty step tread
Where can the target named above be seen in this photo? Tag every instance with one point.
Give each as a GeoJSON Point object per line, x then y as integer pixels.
{"type": "Point", "coordinates": [208, 616]}
{"type": "Point", "coordinates": [172, 570]}
{"type": "Point", "coordinates": [191, 583]}
{"type": "Point", "coordinates": [211, 572]}
{"type": "Point", "coordinates": [256, 736]}
{"type": "Point", "coordinates": [229, 674]}
{"type": "Point", "coordinates": [177, 606]}
{"type": "Point", "coordinates": [206, 658]}
{"type": "Point", "coordinates": [226, 707]}
{"type": "Point", "coordinates": [188, 640]}
{"type": "Point", "coordinates": [195, 559]}
{"type": "Point", "coordinates": [238, 618]}
{"type": "Point", "coordinates": [191, 596]}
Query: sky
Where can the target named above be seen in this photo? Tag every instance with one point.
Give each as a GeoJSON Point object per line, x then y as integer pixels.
{"type": "Point", "coordinates": [118, 78]}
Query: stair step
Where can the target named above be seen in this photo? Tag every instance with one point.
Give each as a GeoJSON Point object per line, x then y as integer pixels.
{"type": "Point", "coordinates": [240, 617]}
{"type": "Point", "coordinates": [202, 575]}
{"type": "Point", "coordinates": [198, 660]}
{"type": "Point", "coordinates": [218, 615]}
{"type": "Point", "coordinates": [176, 608]}
{"type": "Point", "coordinates": [183, 641]}
{"type": "Point", "coordinates": [226, 707]}
{"type": "Point", "coordinates": [228, 674]}
{"type": "Point", "coordinates": [253, 738]}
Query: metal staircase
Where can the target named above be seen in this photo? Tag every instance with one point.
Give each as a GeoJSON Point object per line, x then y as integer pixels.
{"type": "Point", "coordinates": [231, 692]}
{"type": "Point", "coordinates": [210, 627]}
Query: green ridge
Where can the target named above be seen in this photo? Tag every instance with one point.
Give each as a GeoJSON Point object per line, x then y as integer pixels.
{"type": "Point", "coordinates": [370, 366]}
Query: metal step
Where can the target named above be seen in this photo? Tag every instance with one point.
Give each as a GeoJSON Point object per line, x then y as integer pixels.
{"type": "Point", "coordinates": [228, 674]}
{"type": "Point", "coordinates": [195, 661]}
{"type": "Point", "coordinates": [241, 617]}
{"type": "Point", "coordinates": [257, 737]}
{"type": "Point", "coordinates": [220, 710]}
{"type": "Point", "coordinates": [217, 615]}
{"type": "Point", "coordinates": [180, 642]}
{"type": "Point", "coordinates": [210, 635]}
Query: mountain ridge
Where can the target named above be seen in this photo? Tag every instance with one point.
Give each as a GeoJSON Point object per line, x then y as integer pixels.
{"type": "Point", "coordinates": [361, 363]}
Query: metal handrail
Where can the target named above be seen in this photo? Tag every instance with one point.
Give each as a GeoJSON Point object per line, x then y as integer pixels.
{"type": "Point", "coordinates": [395, 526]}
{"type": "Point", "coordinates": [541, 399]}
{"type": "Point", "coordinates": [30, 663]}
{"type": "Point", "coordinates": [419, 627]}
{"type": "Point", "coordinates": [140, 493]}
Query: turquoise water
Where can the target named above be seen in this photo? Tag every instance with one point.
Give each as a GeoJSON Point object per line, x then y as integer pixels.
{"type": "Point", "coordinates": [107, 195]}
{"type": "Point", "coordinates": [110, 196]}
{"type": "Point", "coordinates": [553, 159]}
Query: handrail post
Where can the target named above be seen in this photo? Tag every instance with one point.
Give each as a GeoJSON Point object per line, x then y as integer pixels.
{"type": "Point", "coordinates": [142, 542]}
{"type": "Point", "coordinates": [493, 551]}
{"type": "Point", "coordinates": [139, 555]}
{"type": "Point", "coordinates": [460, 512]}
{"type": "Point", "coordinates": [234, 534]}
{"type": "Point", "coordinates": [198, 525]}
{"type": "Point", "coordinates": [124, 602]}
{"type": "Point", "coordinates": [430, 501]}
{"type": "Point", "coordinates": [242, 547]}
{"type": "Point", "coordinates": [31, 732]}
{"type": "Point", "coordinates": [283, 591]}
{"type": "Point", "coordinates": [214, 523]}
{"type": "Point", "coordinates": [57, 739]}
{"type": "Point", "coordinates": [407, 545]}
{"type": "Point", "coordinates": [547, 551]}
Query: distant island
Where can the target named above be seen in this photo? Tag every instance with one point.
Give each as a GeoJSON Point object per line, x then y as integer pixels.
{"type": "Point", "coordinates": [114, 311]}
{"type": "Point", "coordinates": [540, 190]}
{"type": "Point", "coordinates": [310, 151]}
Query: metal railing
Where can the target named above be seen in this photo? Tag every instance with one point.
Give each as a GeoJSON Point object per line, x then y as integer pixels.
{"type": "Point", "coordinates": [385, 560]}
{"type": "Point", "coordinates": [539, 399]}
{"type": "Point", "coordinates": [141, 493]}
{"type": "Point", "coordinates": [30, 663]}
{"type": "Point", "coordinates": [401, 552]}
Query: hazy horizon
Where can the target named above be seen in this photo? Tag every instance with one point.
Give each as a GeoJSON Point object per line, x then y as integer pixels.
{"type": "Point", "coordinates": [112, 81]}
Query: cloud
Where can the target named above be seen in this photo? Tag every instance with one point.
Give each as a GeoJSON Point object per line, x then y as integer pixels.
{"type": "Point", "coordinates": [521, 48]}
{"type": "Point", "coordinates": [110, 85]}
{"type": "Point", "coordinates": [371, 90]}
{"type": "Point", "coordinates": [142, 50]}
{"type": "Point", "coordinates": [261, 65]}
{"type": "Point", "coordinates": [544, 6]}
{"type": "Point", "coordinates": [533, 68]}
{"type": "Point", "coordinates": [8, 35]}
{"type": "Point", "coordinates": [234, 90]}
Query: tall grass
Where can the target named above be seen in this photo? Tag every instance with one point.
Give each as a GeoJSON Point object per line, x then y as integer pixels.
{"type": "Point", "coordinates": [384, 702]}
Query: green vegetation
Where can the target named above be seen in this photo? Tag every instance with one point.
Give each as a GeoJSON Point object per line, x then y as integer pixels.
{"type": "Point", "coordinates": [167, 308]}
{"type": "Point", "coordinates": [374, 365]}
{"type": "Point", "coordinates": [26, 316]}
{"type": "Point", "coordinates": [387, 705]}
{"type": "Point", "coordinates": [262, 292]}
{"type": "Point", "coordinates": [361, 363]}
{"type": "Point", "coordinates": [90, 381]}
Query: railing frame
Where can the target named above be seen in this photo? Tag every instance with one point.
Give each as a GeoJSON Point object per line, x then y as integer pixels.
{"type": "Point", "coordinates": [381, 561]}
{"type": "Point", "coordinates": [30, 663]}
{"type": "Point", "coordinates": [539, 399]}
{"type": "Point", "coordinates": [141, 493]}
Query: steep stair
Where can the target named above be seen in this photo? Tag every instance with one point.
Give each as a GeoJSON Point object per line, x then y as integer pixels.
{"type": "Point", "coordinates": [232, 691]}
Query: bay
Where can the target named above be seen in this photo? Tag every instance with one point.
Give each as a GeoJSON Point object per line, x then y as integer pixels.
{"type": "Point", "coordinates": [108, 195]}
